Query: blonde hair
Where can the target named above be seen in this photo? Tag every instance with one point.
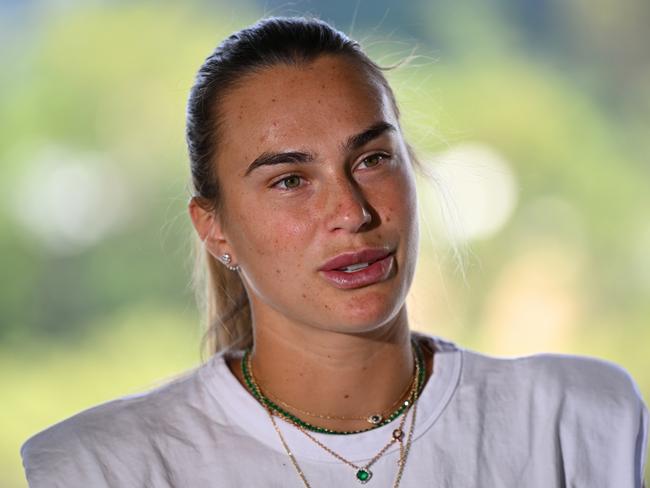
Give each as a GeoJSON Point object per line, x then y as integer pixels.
{"type": "Point", "coordinates": [221, 295]}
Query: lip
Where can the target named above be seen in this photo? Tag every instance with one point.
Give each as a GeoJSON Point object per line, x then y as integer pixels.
{"type": "Point", "coordinates": [380, 261]}
{"type": "Point", "coordinates": [368, 255]}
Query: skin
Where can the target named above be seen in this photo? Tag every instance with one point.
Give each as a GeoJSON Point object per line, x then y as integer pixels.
{"type": "Point", "coordinates": [343, 352]}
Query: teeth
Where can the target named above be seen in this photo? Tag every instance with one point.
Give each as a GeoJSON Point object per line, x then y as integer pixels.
{"type": "Point", "coordinates": [355, 267]}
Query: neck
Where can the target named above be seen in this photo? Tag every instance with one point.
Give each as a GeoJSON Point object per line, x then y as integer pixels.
{"type": "Point", "coordinates": [334, 374]}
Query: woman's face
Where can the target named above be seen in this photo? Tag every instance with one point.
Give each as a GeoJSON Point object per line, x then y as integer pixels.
{"type": "Point", "coordinates": [312, 166]}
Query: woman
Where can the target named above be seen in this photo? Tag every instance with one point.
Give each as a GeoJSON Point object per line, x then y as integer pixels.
{"type": "Point", "coordinates": [304, 202]}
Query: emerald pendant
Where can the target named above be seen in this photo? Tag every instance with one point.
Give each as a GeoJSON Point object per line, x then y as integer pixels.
{"type": "Point", "coordinates": [364, 475]}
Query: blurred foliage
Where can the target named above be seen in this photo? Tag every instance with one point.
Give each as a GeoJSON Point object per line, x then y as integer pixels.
{"type": "Point", "coordinates": [559, 89]}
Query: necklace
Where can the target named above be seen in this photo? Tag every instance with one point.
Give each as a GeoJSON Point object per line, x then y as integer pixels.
{"type": "Point", "coordinates": [363, 474]}
{"type": "Point", "coordinates": [246, 366]}
{"type": "Point", "coordinates": [261, 396]}
{"type": "Point", "coordinates": [373, 419]}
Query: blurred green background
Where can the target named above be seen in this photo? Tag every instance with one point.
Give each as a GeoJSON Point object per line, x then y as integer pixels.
{"type": "Point", "coordinates": [533, 114]}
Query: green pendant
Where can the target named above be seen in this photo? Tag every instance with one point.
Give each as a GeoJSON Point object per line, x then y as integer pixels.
{"type": "Point", "coordinates": [364, 475]}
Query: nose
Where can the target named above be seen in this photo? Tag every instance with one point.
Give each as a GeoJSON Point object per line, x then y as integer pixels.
{"type": "Point", "coordinates": [349, 210]}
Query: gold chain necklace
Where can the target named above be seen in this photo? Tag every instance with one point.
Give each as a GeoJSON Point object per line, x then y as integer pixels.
{"type": "Point", "coordinates": [363, 473]}
{"type": "Point", "coordinates": [373, 419]}
{"type": "Point", "coordinates": [416, 385]}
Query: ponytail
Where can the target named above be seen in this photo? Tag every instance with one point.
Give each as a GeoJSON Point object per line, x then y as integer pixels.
{"type": "Point", "coordinates": [224, 303]}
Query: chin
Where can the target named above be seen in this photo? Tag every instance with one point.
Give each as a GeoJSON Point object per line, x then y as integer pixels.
{"type": "Point", "coordinates": [369, 314]}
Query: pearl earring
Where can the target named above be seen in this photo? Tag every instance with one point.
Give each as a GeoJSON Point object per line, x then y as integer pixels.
{"type": "Point", "coordinates": [226, 260]}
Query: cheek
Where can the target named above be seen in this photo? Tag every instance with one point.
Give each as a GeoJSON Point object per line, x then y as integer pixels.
{"type": "Point", "coordinates": [397, 203]}
{"type": "Point", "coordinates": [273, 237]}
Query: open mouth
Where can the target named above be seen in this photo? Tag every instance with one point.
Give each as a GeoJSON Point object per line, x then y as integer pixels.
{"type": "Point", "coordinates": [361, 274]}
{"type": "Point", "coordinates": [354, 267]}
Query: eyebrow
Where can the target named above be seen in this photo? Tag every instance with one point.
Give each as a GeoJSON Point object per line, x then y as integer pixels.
{"type": "Point", "coordinates": [353, 142]}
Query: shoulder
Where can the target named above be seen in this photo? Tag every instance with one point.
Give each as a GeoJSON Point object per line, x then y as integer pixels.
{"type": "Point", "coordinates": [571, 389]}
{"type": "Point", "coordinates": [582, 376]}
{"type": "Point", "coordinates": [588, 383]}
{"type": "Point", "coordinates": [99, 446]}
{"type": "Point", "coordinates": [591, 391]}
{"type": "Point", "coordinates": [592, 410]}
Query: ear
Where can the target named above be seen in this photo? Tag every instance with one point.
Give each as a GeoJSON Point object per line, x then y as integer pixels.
{"type": "Point", "coordinates": [209, 227]}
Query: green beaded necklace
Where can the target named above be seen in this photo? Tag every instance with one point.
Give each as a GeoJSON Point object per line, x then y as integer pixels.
{"type": "Point", "coordinates": [257, 393]}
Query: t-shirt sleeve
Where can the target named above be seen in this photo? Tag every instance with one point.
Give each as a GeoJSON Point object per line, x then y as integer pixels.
{"type": "Point", "coordinates": [603, 435]}
{"type": "Point", "coordinates": [149, 439]}
{"type": "Point", "coordinates": [57, 458]}
{"type": "Point", "coordinates": [99, 448]}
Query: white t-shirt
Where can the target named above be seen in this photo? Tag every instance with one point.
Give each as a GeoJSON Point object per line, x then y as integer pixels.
{"type": "Point", "coordinates": [485, 422]}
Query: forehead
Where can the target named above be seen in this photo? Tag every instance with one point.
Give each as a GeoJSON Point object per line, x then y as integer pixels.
{"type": "Point", "coordinates": [300, 107]}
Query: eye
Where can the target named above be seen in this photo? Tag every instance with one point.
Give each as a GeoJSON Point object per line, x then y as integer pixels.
{"type": "Point", "coordinates": [374, 160]}
{"type": "Point", "coordinates": [290, 182]}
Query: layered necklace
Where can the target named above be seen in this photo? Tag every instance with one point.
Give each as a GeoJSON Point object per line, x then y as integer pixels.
{"type": "Point", "coordinates": [376, 418]}
{"type": "Point", "coordinates": [363, 473]}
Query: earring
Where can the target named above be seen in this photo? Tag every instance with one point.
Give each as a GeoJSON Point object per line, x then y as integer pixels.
{"type": "Point", "coordinates": [226, 260]}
